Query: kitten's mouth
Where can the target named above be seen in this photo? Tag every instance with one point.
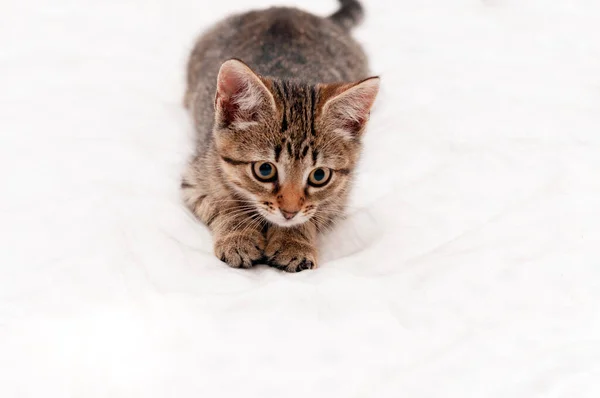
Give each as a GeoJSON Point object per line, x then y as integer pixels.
{"type": "Point", "coordinates": [277, 218]}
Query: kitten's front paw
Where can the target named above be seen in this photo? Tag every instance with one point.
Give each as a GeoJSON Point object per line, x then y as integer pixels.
{"type": "Point", "coordinates": [291, 255]}
{"type": "Point", "coordinates": [240, 250]}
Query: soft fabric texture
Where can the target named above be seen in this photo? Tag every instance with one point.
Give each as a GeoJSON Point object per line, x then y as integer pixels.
{"type": "Point", "coordinates": [469, 265]}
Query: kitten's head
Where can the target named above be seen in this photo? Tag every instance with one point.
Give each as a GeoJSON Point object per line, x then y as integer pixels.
{"type": "Point", "coordinates": [288, 149]}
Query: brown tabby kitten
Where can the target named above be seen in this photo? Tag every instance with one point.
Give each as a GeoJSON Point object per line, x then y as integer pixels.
{"type": "Point", "coordinates": [279, 133]}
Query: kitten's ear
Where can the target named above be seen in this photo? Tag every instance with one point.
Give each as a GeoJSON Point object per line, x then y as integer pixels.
{"type": "Point", "coordinates": [347, 107]}
{"type": "Point", "coordinates": [242, 97]}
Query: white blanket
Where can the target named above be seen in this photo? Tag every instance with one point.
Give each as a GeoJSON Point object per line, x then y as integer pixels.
{"type": "Point", "coordinates": [469, 267]}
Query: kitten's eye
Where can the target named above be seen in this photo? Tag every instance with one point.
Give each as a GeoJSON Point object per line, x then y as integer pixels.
{"type": "Point", "coordinates": [319, 177]}
{"type": "Point", "coordinates": [265, 172]}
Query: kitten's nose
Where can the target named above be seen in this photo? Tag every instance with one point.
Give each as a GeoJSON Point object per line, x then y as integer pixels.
{"type": "Point", "coordinates": [288, 215]}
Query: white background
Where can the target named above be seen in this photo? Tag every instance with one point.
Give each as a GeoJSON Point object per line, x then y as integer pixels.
{"type": "Point", "coordinates": [470, 265]}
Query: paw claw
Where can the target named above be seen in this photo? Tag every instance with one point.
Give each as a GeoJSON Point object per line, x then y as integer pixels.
{"type": "Point", "coordinates": [304, 265]}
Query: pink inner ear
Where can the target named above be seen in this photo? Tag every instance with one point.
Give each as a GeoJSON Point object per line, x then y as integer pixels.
{"type": "Point", "coordinates": [350, 109]}
{"type": "Point", "coordinates": [241, 95]}
{"type": "Point", "coordinates": [227, 87]}
{"type": "Point", "coordinates": [226, 110]}
{"type": "Point", "coordinates": [230, 82]}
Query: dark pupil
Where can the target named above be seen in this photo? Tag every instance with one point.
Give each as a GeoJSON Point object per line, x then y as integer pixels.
{"type": "Point", "coordinates": [265, 169]}
{"type": "Point", "coordinates": [319, 174]}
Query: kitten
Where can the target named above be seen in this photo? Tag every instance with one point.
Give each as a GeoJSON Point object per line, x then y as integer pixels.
{"type": "Point", "coordinates": [280, 99]}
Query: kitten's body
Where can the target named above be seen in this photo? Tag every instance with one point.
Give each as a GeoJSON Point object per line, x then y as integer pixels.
{"type": "Point", "coordinates": [294, 114]}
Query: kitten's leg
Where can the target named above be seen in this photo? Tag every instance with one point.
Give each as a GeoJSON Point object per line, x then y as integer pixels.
{"type": "Point", "coordinates": [239, 238]}
{"type": "Point", "coordinates": [201, 204]}
{"type": "Point", "coordinates": [292, 249]}
{"type": "Point", "coordinates": [237, 234]}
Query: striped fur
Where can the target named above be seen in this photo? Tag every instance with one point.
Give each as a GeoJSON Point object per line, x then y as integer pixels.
{"type": "Point", "coordinates": [298, 116]}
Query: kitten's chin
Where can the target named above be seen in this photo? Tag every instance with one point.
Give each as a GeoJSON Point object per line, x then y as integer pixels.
{"type": "Point", "coordinates": [280, 221]}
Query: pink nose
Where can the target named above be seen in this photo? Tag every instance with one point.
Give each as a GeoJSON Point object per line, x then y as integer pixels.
{"type": "Point", "coordinates": [288, 215]}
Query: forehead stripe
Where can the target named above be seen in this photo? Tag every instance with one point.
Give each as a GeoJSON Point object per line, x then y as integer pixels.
{"type": "Point", "coordinates": [280, 87]}
{"type": "Point", "coordinates": [277, 152]}
{"type": "Point", "coordinates": [304, 151]}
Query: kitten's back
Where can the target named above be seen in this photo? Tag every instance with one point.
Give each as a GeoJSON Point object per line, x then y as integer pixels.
{"type": "Point", "coordinates": [288, 43]}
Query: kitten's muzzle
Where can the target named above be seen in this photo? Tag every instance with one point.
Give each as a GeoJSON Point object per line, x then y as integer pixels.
{"type": "Point", "coordinates": [288, 215]}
